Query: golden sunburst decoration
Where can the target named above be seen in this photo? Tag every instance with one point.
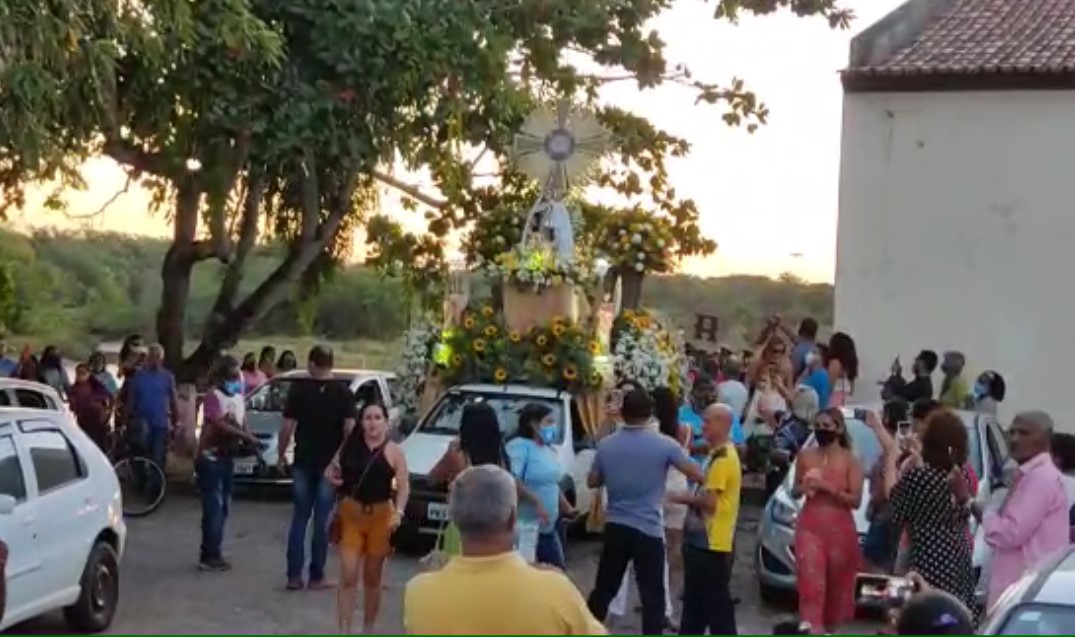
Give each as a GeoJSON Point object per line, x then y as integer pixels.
{"type": "Point", "coordinates": [559, 148]}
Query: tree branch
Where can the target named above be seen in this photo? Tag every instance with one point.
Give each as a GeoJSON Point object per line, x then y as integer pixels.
{"type": "Point", "coordinates": [111, 200]}
{"type": "Point", "coordinates": [411, 191]}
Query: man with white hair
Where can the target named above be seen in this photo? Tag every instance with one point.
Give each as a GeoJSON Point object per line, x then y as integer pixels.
{"type": "Point", "coordinates": [490, 589]}
{"type": "Point", "coordinates": [1033, 520]}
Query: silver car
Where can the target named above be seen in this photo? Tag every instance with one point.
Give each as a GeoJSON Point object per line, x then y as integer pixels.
{"type": "Point", "coordinates": [774, 557]}
{"type": "Point", "coordinates": [1041, 603]}
{"type": "Point", "coordinates": [265, 415]}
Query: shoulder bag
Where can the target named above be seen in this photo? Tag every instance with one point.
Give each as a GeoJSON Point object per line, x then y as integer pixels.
{"type": "Point", "coordinates": [335, 527]}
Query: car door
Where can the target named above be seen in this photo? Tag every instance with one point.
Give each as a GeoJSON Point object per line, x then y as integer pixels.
{"type": "Point", "coordinates": [19, 529]}
{"type": "Point", "coordinates": [64, 498]}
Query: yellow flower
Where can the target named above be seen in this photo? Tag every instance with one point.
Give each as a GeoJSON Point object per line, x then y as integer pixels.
{"type": "Point", "coordinates": [628, 314]}
{"type": "Point", "coordinates": [514, 336]}
{"type": "Point", "coordinates": [457, 360]}
{"type": "Point", "coordinates": [500, 374]}
{"type": "Point", "coordinates": [541, 340]}
{"type": "Point", "coordinates": [490, 331]}
{"type": "Point", "coordinates": [595, 347]}
{"type": "Point", "coordinates": [549, 360]}
{"type": "Point", "coordinates": [595, 378]}
{"type": "Point", "coordinates": [558, 330]}
{"type": "Point", "coordinates": [487, 311]}
{"type": "Point", "coordinates": [478, 345]}
{"type": "Point", "coordinates": [557, 320]}
{"type": "Point", "coordinates": [468, 322]}
{"type": "Point", "coordinates": [570, 372]}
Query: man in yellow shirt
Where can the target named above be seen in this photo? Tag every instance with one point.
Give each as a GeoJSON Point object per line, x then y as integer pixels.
{"type": "Point", "coordinates": [490, 589]}
{"type": "Point", "coordinates": [709, 533]}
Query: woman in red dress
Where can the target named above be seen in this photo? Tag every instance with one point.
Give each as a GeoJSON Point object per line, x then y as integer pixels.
{"type": "Point", "coordinates": [826, 543]}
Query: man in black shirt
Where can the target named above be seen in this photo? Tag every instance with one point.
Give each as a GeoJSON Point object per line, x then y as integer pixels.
{"type": "Point", "coordinates": [921, 387]}
{"type": "Point", "coordinates": [319, 413]}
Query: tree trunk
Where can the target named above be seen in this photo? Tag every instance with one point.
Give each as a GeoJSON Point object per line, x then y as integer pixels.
{"type": "Point", "coordinates": [631, 281]}
{"type": "Point", "coordinates": [176, 274]}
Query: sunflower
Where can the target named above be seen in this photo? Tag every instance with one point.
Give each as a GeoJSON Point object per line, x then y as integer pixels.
{"type": "Point", "coordinates": [549, 360]}
{"type": "Point", "coordinates": [468, 322]}
{"type": "Point", "coordinates": [558, 330]}
{"type": "Point", "coordinates": [541, 340]}
{"type": "Point", "coordinates": [500, 375]}
{"type": "Point", "coordinates": [595, 347]}
{"type": "Point", "coordinates": [487, 311]}
{"type": "Point", "coordinates": [557, 320]}
{"type": "Point", "coordinates": [490, 331]}
{"type": "Point", "coordinates": [595, 379]}
{"type": "Point", "coordinates": [571, 372]}
{"type": "Point", "coordinates": [514, 336]}
{"type": "Point", "coordinates": [478, 345]}
{"type": "Point", "coordinates": [457, 360]}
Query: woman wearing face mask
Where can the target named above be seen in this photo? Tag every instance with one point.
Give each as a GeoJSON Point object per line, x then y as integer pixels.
{"type": "Point", "coordinates": [537, 469]}
{"type": "Point", "coordinates": [989, 392]}
{"type": "Point", "coordinates": [826, 541]}
{"type": "Point", "coordinates": [222, 436]}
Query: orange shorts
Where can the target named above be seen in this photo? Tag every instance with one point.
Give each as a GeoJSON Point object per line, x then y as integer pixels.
{"type": "Point", "coordinates": [365, 528]}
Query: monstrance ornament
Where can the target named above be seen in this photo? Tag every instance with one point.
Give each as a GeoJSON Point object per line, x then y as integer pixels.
{"type": "Point", "coordinates": [558, 149]}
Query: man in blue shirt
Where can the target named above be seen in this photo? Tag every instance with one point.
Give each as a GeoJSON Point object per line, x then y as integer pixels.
{"type": "Point", "coordinates": [632, 464]}
{"type": "Point", "coordinates": [816, 376]}
{"type": "Point", "coordinates": [807, 342]}
{"type": "Point", "coordinates": [151, 405]}
{"type": "Point", "coordinates": [8, 365]}
{"type": "Point", "coordinates": [703, 394]}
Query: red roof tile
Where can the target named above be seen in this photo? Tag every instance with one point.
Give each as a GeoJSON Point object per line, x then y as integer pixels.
{"type": "Point", "coordinates": [988, 37]}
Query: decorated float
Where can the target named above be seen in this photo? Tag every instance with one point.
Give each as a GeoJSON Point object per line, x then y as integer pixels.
{"type": "Point", "coordinates": [555, 326]}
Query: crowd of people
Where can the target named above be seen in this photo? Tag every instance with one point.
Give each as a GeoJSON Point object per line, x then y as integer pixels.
{"type": "Point", "coordinates": [670, 471]}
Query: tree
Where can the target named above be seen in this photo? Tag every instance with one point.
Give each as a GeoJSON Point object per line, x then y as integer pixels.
{"type": "Point", "coordinates": [253, 120]}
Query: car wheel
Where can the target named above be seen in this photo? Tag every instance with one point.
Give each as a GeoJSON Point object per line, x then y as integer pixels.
{"type": "Point", "coordinates": [99, 592]}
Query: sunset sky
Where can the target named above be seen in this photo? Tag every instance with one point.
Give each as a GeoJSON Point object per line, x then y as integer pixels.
{"type": "Point", "coordinates": [763, 197]}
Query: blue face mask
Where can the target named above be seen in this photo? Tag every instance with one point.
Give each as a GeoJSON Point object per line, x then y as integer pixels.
{"type": "Point", "coordinates": [979, 390]}
{"type": "Point", "coordinates": [233, 387]}
{"type": "Point", "coordinates": [549, 434]}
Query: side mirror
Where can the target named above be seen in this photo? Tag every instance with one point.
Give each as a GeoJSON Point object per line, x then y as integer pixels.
{"type": "Point", "coordinates": [408, 423]}
{"type": "Point", "coordinates": [7, 504]}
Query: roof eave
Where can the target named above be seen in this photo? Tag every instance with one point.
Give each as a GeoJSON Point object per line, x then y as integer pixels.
{"type": "Point", "coordinates": [895, 81]}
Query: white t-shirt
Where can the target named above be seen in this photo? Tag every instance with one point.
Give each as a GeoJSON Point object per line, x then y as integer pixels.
{"type": "Point", "coordinates": [734, 394]}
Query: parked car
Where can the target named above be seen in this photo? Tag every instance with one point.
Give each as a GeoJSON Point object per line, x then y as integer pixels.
{"type": "Point", "coordinates": [61, 515]}
{"type": "Point", "coordinates": [427, 509]}
{"type": "Point", "coordinates": [774, 558]}
{"type": "Point", "coordinates": [1041, 603]}
{"type": "Point", "coordinates": [15, 392]}
{"type": "Point", "coordinates": [265, 415]}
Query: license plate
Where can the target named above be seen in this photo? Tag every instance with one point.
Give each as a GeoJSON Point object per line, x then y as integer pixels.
{"type": "Point", "coordinates": [244, 468]}
{"type": "Point", "coordinates": [437, 512]}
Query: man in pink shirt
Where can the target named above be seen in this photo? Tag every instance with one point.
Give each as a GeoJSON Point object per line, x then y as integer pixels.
{"type": "Point", "coordinates": [1032, 522]}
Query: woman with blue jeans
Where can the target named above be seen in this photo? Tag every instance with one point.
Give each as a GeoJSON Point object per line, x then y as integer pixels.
{"type": "Point", "coordinates": [537, 469]}
{"type": "Point", "coordinates": [221, 436]}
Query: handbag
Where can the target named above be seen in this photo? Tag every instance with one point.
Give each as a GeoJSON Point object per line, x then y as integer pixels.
{"type": "Point", "coordinates": [335, 525]}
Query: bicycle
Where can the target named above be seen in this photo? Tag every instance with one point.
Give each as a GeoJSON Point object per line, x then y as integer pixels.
{"type": "Point", "coordinates": [142, 482]}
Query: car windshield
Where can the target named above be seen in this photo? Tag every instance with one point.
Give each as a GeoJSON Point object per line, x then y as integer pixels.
{"type": "Point", "coordinates": [445, 419]}
{"type": "Point", "coordinates": [1039, 619]}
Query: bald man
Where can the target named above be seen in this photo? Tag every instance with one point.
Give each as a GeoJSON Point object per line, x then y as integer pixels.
{"type": "Point", "coordinates": [1033, 520]}
{"type": "Point", "coordinates": [709, 532]}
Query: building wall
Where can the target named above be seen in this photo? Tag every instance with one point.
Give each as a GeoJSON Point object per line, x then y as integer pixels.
{"type": "Point", "coordinates": [957, 223]}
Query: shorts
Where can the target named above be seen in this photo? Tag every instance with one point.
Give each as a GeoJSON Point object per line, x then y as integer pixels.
{"type": "Point", "coordinates": [365, 529]}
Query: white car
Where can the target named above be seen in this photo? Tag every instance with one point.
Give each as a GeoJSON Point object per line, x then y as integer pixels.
{"type": "Point", "coordinates": [61, 516]}
{"type": "Point", "coordinates": [427, 509]}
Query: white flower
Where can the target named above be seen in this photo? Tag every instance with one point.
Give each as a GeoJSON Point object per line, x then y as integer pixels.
{"type": "Point", "coordinates": [636, 238]}
{"type": "Point", "coordinates": [660, 243]}
{"type": "Point", "coordinates": [640, 267]}
{"type": "Point", "coordinates": [623, 231]}
{"type": "Point", "coordinates": [641, 256]}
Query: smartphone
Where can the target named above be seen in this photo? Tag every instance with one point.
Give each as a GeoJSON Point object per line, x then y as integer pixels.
{"type": "Point", "coordinates": [859, 414]}
{"type": "Point", "coordinates": [903, 429]}
{"type": "Point", "coordinates": [883, 591]}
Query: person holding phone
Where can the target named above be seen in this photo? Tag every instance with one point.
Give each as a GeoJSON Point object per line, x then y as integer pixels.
{"type": "Point", "coordinates": [881, 544]}
{"type": "Point", "coordinates": [920, 387]}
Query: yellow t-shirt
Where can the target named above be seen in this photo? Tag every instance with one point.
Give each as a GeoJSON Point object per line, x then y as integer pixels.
{"type": "Point", "coordinates": [499, 595]}
{"type": "Point", "coordinates": [724, 477]}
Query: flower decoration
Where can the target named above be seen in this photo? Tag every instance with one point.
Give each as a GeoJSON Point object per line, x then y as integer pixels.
{"type": "Point", "coordinates": [559, 354]}
{"type": "Point", "coordinates": [647, 352]}
{"type": "Point", "coordinates": [535, 268]}
{"type": "Point", "coordinates": [418, 345]}
{"type": "Point", "coordinates": [639, 240]}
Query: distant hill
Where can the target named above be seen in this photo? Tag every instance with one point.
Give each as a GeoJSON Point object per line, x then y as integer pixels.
{"type": "Point", "coordinates": [75, 289]}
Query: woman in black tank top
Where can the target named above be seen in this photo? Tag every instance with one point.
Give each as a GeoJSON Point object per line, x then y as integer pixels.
{"type": "Point", "coordinates": [370, 472]}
